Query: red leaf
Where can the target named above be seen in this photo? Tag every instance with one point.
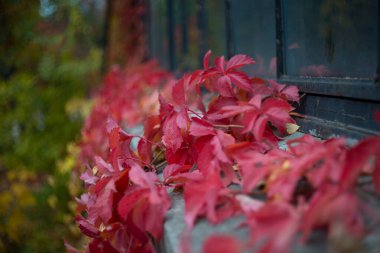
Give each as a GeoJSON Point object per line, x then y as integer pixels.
{"type": "Point", "coordinates": [129, 200]}
{"type": "Point", "coordinates": [185, 177]}
{"type": "Point", "coordinates": [122, 181]}
{"type": "Point", "coordinates": [233, 110]}
{"type": "Point", "coordinates": [219, 143]}
{"type": "Point", "coordinates": [277, 112]}
{"type": "Point", "coordinates": [329, 207]}
{"type": "Point", "coordinates": [175, 169]}
{"type": "Point", "coordinates": [205, 157]}
{"type": "Point", "coordinates": [224, 86]}
{"type": "Point", "coordinates": [203, 197]}
{"type": "Point", "coordinates": [144, 149]}
{"type": "Point", "coordinates": [239, 61]}
{"type": "Point", "coordinates": [103, 206]}
{"type": "Point", "coordinates": [259, 127]}
{"type": "Point", "coordinates": [105, 168]}
{"type": "Point", "coordinates": [219, 102]}
{"type": "Point", "coordinates": [151, 126]}
{"type": "Point", "coordinates": [241, 80]}
{"type": "Point", "coordinates": [88, 177]}
{"type": "Point", "coordinates": [256, 101]}
{"type": "Point", "coordinates": [283, 91]}
{"type": "Point", "coordinates": [225, 72]}
{"type": "Point", "coordinates": [165, 107]}
{"type": "Point", "coordinates": [100, 185]}
{"type": "Point", "coordinates": [172, 137]}
{"type": "Point", "coordinates": [145, 204]}
{"type": "Point", "coordinates": [320, 162]}
{"type": "Point", "coordinates": [101, 246]}
{"type": "Point", "coordinates": [258, 81]}
{"type": "Point", "coordinates": [358, 158]}
{"type": "Point", "coordinates": [275, 224]}
{"type": "Point", "coordinates": [200, 127]}
{"type": "Point", "coordinates": [183, 120]}
{"type": "Point", "coordinates": [145, 180]}
{"type": "Point", "coordinates": [206, 59]}
{"type": "Point", "coordinates": [221, 244]}
{"type": "Point", "coordinates": [178, 92]}
{"type": "Point", "coordinates": [220, 63]}
{"type": "Point", "coordinates": [252, 168]}
{"type": "Point", "coordinates": [86, 227]}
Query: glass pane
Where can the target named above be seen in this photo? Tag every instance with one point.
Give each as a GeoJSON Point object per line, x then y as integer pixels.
{"type": "Point", "coordinates": [192, 57]}
{"type": "Point", "coordinates": [336, 38]}
{"type": "Point", "coordinates": [159, 32]}
{"type": "Point", "coordinates": [216, 29]}
{"type": "Point", "coordinates": [254, 34]}
{"type": "Point", "coordinates": [186, 35]}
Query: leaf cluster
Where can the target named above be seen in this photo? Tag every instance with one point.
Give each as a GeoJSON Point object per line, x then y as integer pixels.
{"type": "Point", "coordinates": [202, 143]}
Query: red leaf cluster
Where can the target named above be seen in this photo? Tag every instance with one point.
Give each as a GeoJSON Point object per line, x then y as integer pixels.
{"type": "Point", "coordinates": [201, 143]}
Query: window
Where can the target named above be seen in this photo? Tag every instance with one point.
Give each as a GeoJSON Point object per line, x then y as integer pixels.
{"type": "Point", "coordinates": [254, 34]}
{"type": "Point", "coordinates": [328, 48]}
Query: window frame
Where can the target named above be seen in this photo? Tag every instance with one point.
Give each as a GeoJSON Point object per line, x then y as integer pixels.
{"type": "Point", "coordinates": [357, 88]}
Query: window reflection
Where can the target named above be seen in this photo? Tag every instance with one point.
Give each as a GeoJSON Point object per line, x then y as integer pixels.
{"type": "Point", "coordinates": [335, 38]}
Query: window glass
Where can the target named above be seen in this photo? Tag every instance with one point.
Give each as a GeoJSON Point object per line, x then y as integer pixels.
{"type": "Point", "coordinates": [254, 34]}
{"type": "Point", "coordinates": [186, 35]}
{"type": "Point", "coordinates": [192, 57]}
{"type": "Point", "coordinates": [333, 38]}
{"type": "Point", "coordinates": [216, 28]}
{"type": "Point", "coordinates": [159, 32]}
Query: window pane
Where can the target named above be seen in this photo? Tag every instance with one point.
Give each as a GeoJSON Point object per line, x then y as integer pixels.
{"type": "Point", "coordinates": [216, 29]}
{"type": "Point", "coordinates": [254, 33]}
{"type": "Point", "coordinates": [186, 35]}
{"type": "Point", "coordinates": [159, 32]}
{"type": "Point", "coordinates": [337, 38]}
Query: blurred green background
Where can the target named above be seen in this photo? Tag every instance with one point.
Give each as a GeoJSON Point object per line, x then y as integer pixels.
{"type": "Point", "coordinates": [51, 53]}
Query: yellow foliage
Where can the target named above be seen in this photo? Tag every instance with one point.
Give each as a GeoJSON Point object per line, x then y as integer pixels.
{"type": "Point", "coordinates": [23, 195]}
{"type": "Point", "coordinates": [14, 201]}
{"type": "Point", "coordinates": [5, 202]}
{"type": "Point", "coordinates": [69, 162]}
{"type": "Point", "coordinates": [22, 175]}
{"type": "Point", "coordinates": [72, 206]}
{"type": "Point", "coordinates": [14, 224]}
{"type": "Point", "coordinates": [74, 188]}
{"type": "Point", "coordinates": [51, 181]}
{"type": "Point", "coordinates": [79, 106]}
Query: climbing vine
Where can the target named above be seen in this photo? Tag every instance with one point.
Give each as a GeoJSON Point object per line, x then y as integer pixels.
{"type": "Point", "coordinates": [211, 129]}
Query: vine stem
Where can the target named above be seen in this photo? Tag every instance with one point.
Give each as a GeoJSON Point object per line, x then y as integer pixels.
{"type": "Point", "coordinates": [156, 157]}
{"type": "Point", "coordinates": [161, 164]}
{"type": "Point", "coordinates": [138, 160]}
{"type": "Point", "coordinates": [190, 110]}
{"type": "Point", "coordinates": [226, 126]}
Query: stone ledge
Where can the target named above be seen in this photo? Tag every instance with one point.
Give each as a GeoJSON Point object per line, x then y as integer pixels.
{"type": "Point", "coordinates": [175, 225]}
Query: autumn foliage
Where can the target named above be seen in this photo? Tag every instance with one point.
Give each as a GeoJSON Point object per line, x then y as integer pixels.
{"type": "Point", "coordinates": [213, 128]}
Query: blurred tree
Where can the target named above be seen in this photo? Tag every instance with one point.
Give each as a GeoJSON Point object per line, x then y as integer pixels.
{"type": "Point", "coordinates": [49, 58]}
